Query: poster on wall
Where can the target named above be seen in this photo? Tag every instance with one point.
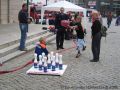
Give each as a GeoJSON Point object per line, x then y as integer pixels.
{"type": "Point", "coordinates": [42, 2]}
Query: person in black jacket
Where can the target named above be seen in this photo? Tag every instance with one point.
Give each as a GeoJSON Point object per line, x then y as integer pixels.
{"type": "Point", "coordinates": [96, 37]}
{"type": "Point", "coordinates": [23, 23]}
{"type": "Point", "coordinates": [77, 26]}
{"type": "Point", "coordinates": [80, 35]}
{"type": "Point", "coordinates": [109, 19]}
{"type": "Point", "coordinates": [60, 29]}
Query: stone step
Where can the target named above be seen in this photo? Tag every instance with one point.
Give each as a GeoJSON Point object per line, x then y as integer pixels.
{"type": "Point", "coordinates": [15, 41]}
{"type": "Point", "coordinates": [18, 53]}
{"type": "Point", "coordinates": [13, 48]}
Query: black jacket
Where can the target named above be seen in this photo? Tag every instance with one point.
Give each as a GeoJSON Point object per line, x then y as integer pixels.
{"type": "Point", "coordinates": [59, 18]}
{"type": "Point", "coordinates": [96, 27]}
{"type": "Point", "coordinates": [79, 31]}
{"type": "Point", "coordinates": [23, 17]}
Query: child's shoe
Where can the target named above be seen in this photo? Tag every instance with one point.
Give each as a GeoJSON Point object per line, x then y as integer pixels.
{"type": "Point", "coordinates": [84, 47]}
{"type": "Point", "coordinates": [78, 55]}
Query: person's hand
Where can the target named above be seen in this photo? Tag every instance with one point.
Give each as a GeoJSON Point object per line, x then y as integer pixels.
{"type": "Point", "coordinates": [29, 20]}
{"type": "Point", "coordinates": [75, 26]}
{"type": "Point", "coordinates": [71, 27]}
{"type": "Point", "coordinates": [68, 26]}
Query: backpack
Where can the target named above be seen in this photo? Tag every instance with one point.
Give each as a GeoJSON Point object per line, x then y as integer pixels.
{"type": "Point", "coordinates": [103, 31]}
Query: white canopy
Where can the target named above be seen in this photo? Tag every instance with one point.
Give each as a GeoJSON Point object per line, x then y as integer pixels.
{"type": "Point", "coordinates": [66, 5]}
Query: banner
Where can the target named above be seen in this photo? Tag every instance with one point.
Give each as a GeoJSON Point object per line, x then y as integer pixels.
{"type": "Point", "coordinates": [42, 2]}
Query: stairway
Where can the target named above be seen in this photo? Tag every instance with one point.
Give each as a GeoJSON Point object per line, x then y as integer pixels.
{"type": "Point", "coordinates": [9, 50]}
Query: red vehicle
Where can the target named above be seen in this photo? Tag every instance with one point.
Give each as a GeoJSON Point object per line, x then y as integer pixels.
{"type": "Point", "coordinates": [34, 14]}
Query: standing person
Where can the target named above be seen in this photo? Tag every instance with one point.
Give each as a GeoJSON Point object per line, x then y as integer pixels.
{"type": "Point", "coordinates": [109, 19]}
{"type": "Point", "coordinates": [96, 36]}
{"type": "Point", "coordinates": [34, 15]}
{"type": "Point", "coordinates": [80, 35]}
{"type": "Point", "coordinates": [60, 29]}
{"type": "Point", "coordinates": [67, 31]}
{"type": "Point", "coordinates": [23, 23]}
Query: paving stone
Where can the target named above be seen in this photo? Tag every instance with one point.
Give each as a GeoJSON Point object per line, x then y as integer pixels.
{"type": "Point", "coordinates": [81, 74]}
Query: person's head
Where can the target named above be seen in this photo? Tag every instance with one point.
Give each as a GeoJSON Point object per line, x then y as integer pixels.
{"type": "Point", "coordinates": [62, 10]}
{"type": "Point", "coordinates": [95, 15]}
{"type": "Point", "coordinates": [78, 19]}
{"type": "Point", "coordinates": [109, 12]}
{"type": "Point", "coordinates": [42, 40]}
{"type": "Point", "coordinates": [24, 7]}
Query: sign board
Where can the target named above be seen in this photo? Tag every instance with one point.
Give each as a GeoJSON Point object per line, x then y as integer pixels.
{"type": "Point", "coordinates": [53, 1]}
{"type": "Point", "coordinates": [42, 2]}
{"type": "Point", "coordinates": [91, 3]}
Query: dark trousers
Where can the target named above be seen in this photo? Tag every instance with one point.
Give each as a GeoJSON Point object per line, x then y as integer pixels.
{"type": "Point", "coordinates": [60, 37]}
{"type": "Point", "coordinates": [108, 23]}
{"type": "Point", "coordinates": [96, 46]}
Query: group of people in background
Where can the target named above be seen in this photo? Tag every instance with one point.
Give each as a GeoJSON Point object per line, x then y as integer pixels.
{"type": "Point", "coordinates": [65, 24]}
{"type": "Point", "coordinates": [76, 24]}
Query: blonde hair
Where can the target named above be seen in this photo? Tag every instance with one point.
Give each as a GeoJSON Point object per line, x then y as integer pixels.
{"type": "Point", "coordinates": [95, 15]}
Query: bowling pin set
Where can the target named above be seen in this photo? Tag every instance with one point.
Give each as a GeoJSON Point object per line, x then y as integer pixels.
{"type": "Point", "coordinates": [51, 62]}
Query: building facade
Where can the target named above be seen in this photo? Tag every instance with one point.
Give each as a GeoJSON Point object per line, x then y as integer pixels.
{"type": "Point", "coordinates": [9, 10]}
{"type": "Point", "coordinates": [77, 2]}
{"type": "Point", "coordinates": [104, 6]}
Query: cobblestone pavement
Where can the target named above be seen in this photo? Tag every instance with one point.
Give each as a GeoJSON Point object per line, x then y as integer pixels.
{"type": "Point", "coordinates": [81, 74]}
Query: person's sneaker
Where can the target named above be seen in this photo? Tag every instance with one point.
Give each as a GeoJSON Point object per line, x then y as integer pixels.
{"type": "Point", "coordinates": [62, 48]}
{"type": "Point", "coordinates": [57, 49]}
{"type": "Point", "coordinates": [84, 47]}
{"type": "Point", "coordinates": [94, 60]}
{"type": "Point", "coordinates": [78, 55]}
{"type": "Point", "coordinates": [25, 49]}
